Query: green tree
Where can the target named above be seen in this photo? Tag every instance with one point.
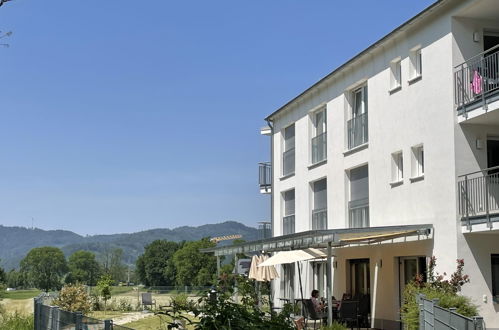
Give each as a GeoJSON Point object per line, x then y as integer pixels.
{"type": "Point", "coordinates": [193, 267]}
{"type": "Point", "coordinates": [104, 288]}
{"type": "Point", "coordinates": [16, 279]}
{"type": "Point", "coordinates": [112, 264]}
{"type": "Point", "coordinates": [83, 268]}
{"type": "Point", "coordinates": [44, 267]}
{"type": "Point", "coordinates": [155, 267]}
{"type": "Point", "coordinates": [3, 276]}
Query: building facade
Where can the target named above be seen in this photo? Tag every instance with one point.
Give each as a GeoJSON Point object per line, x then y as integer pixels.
{"type": "Point", "coordinates": [405, 133]}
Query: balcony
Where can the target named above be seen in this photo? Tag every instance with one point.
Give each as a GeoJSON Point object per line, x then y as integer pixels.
{"type": "Point", "coordinates": [288, 162]}
{"type": "Point", "coordinates": [319, 219]}
{"type": "Point", "coordinates": [265, 177]}
{"type": "Point", "coordinates": [357, 131]}
{"type": "Point", "coordinates": [478, 197]}
{"type": "Point", "coordinates": [264, 230]}
{"type": "Point", "coordinates": [358, 212]}
{"type": "Point", "coordinates": [476, 84]}
{"type": "Point", "coordinates": [319, 152]}
{"type": "Point", "coordinates": [288, 224]}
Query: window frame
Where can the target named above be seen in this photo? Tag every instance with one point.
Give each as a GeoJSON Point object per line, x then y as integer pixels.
{"type": "Point", "coordinates": [417, 162]}
{"type": "Point", "coordinates": [315, 132]}
{"type": "Point", "coordinates": [416, 64]}
{"type": "Point", "coordinates": [395, 74]}
{"type": "Point", "coordinates": [397, 175]}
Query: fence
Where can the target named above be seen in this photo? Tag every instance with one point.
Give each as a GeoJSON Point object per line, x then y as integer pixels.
{"type": "Point", "coordinates": [48, 317]}
{"type": "Point", "coordinates": [432, 316]}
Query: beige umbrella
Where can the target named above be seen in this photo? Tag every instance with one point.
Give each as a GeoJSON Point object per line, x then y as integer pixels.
{"type": "Point", "coordinates": [261, 274]}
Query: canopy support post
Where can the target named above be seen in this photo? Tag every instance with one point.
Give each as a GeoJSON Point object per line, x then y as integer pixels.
{"type": "Point", "coordinates": [301, 288]}
{"type": "Point", "coordinates": [329, 285]}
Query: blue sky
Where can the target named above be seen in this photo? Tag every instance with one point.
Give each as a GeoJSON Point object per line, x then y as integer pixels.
{"type": "Point", "coordinates": [119, 116]}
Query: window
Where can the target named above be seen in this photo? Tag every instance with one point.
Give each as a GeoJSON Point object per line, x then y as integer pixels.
{"type": "Point", "coordinates": [416, 64]}
{"type": "Point", "coordinates": [397, 167]}
{"type": "Point", "coordinates": [288, 281]}
{"type": "Point", "coordinates": [495, 277]}
{"type": "Point", "coordinates": [358, 205]}
{"type": "Point", "coordinates": [319, 212]}
{"type": "Point", "coordinates": [320, 279]}
{"type": "Point", "coordinates": [357, 125]}
{"type": "Point", "coordinates": [360, 279]}
{"type": "Point", "coordinates": [288, 221]}
{"type": "Point", "coordinates": [395, 74]}
{"type": "Point", "coordinates": [288, 156]}
{"type": "Point", "coordinates": [319, 136]}
{"type": "Point", "coordinates": [417, 161]}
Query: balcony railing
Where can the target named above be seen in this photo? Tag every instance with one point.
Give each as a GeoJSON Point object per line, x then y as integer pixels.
{"type": "Point", "coordinates": [319, 219]}
{"type": "Point", "coordinates": [265, 176]}
{"type": "Point", "coordinates": [479, 194]}
{"type": "Point", "coordinates": [477, 79]}
{"type": "Point", "coordinates": [357, 131]}
{"type": "Point", "coordinates": [358, 213]}
{"type": "Point", "coordinates": [288, 162]}
{"type": "Point", "coordinates": [319, 148]}
{"type": "Point", "coordinates": [288, 225]}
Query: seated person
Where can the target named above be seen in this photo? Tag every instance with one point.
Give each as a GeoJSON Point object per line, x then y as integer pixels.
{"type": "Point", "coordinates": [318, 305]}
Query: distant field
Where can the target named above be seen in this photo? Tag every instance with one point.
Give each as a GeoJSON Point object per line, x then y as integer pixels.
{"type": "Point", "coordinates": [21, 294]}
{"type": "Point", "coordinates": [23, 306]}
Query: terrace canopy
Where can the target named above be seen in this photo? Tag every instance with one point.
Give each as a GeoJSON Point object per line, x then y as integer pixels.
{"type": "Point", "coordinates": [328, 239]}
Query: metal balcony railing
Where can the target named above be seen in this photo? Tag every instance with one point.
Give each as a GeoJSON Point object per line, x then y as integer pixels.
{"type": "Point", "coordinates": [288, 162]}
{"type": "Point", "coordinates": [477, 79]}
{"type": "Point", "coordinates": [358, 213]}
{"type": "Point", "coordinates": [478, 194]}
{"type": "Point", "coordinates": [319, 219]}
{"type": "Point", "coordinates": [265, 175]}
{"type": "Point", "coordinates": [319, 152]}
{"type": "Point", "coordinates": [357, 131]}
{"type": "Point", "coordinates": [288, 224]}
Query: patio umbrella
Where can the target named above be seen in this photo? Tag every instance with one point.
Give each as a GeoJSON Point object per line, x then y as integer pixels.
{"type": "Point", "coordinates": [288, 257]}
{"type": "Point", "coordinates": [261, 274]}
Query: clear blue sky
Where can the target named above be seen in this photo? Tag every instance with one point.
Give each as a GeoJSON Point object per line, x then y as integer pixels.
{"type": "Point", "coordinates": [118, 116]}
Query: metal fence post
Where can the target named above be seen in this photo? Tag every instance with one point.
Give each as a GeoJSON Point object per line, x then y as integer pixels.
{"type": "Point", "coordinates": [478, 322]}
{"type": "Point", "coordinates": [108, 324]}
{"type": "Point", "coordinates": [36, 314]}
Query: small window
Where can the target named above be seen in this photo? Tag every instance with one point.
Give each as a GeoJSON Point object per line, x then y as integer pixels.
{"type": "Point", "coordinates": [288, 155]}
{"type": "Point", "coordinates": [416, 67]}
{"type": "Point", "coordinates": [397, 167]}
{"type": "Point", "coordinates": [417, 161]}
{"type": "Point", "coordinates": [396, 74]}
{"type": "Point", "coordinates": [318, 142]}
{"type": "Point", "coordinates": [495, 277]}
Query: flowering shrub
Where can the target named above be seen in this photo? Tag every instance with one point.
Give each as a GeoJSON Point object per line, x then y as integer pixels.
{"type": "Point", "coordinates": [74, 298]}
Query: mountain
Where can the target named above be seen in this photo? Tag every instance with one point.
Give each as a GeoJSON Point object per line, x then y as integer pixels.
{"type": "Point", "coordinates": [15, 242]}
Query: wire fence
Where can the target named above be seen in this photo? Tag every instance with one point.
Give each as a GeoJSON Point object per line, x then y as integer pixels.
{"type": "Point", "coordinates": [49, 317]}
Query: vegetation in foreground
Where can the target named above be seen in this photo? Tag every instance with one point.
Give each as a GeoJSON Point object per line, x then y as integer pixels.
{"type": "Point", "coordinates": [15, 321]}
{"type": "Point", "coordinates": [437, 288]}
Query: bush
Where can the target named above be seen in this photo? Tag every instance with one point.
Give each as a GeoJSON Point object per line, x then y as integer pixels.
{"type": "Point", "coordinates": [335, 326]}
{"type": "Point", "coordinates": [74, 298]}
{"type": "Point", "coordinates": [446, 291]}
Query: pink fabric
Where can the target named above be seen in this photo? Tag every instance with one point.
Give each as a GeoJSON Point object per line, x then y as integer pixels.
{"type": "Point", "coordinates": [476, 84]}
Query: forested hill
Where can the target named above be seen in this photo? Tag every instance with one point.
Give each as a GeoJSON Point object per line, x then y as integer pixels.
{"type": "Point", "coordinates": [15, 242]}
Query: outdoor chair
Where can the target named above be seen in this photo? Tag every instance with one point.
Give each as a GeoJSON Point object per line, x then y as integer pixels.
{"type": "Point", "coordinates": [312, 314]}
{"type": "Point", "coordinates": [349, 313]}
{"type": "Point", "coordinates": [147, 300]}
{"type": "Point", "coordinates": [364, 309]}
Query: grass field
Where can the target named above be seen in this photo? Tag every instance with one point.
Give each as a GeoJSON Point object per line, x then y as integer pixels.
{"type": "Point", "coordinates": [154, 322]}
{"type": "Point", "coordinates": [21, 294]}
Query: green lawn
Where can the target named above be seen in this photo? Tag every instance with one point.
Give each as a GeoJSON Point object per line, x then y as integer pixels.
{"type": "Point", "coordinates": [154, 322]}
{"type": "Point", "coordinates": [20, 294]}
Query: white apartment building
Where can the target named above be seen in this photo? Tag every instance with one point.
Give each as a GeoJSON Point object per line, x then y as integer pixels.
{"type": "Point", "coordinates": [391, 157]}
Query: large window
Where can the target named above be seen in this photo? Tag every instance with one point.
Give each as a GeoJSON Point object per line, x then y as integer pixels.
{"type": "Point", "coordinates": [288, 281]}
{"type": "Point", "coordinates": [319, 212]}
{"type": "Point", "coordinates": [358, 205]}
{"type": "Point", "coordinates": [318, 142]}
{"type": "Point", "coordinates": [357, 125]}
{"type": "Point", "coordinates": [288, 221]}
{"type": "Point", "coordinates": [288, 156]}
{"type": "Point", "coordinates": [495, 277]}
{"type": "Point", "coordinates": [320, 273]}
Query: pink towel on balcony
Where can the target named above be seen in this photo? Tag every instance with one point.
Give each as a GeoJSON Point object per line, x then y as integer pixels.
{"type": "Point", "coordinates": [476, 84]}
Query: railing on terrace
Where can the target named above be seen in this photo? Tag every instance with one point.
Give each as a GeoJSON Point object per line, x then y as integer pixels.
{"type": "Point", "coordinates": [358, 213]}
{"type": "Point", "coordinates": [319, 148]}
{"type": "Point", "coordinates": [357, 131]}
{"type": "Point", "coordinates": [288, 225]}
{"type": "Point", "coordinates": [319, 219]}
{"type": "Point", "coordinates": [476, 79]}
{"type": "Point", "coordinates": [288, 162]}
{"type": "Point", "coordinates": [265, 175]}
{"type": "Point", "coordinates": [478, 194]}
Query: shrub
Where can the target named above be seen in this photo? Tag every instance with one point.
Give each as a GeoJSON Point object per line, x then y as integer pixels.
{"type": "Point", "coordinates": [446, 291]}
{"type": "Point", "coordinates": [335, 326]}
{"type": "Point", "coordinates": [16, 321]}
{"type": "Point", "coordinates": [74, 298]}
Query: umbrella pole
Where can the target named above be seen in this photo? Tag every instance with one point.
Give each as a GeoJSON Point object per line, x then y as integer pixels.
{"type": "Point", "coordinates": [301, 288]}
{"type": "Point", "coordinates": [329, 279]}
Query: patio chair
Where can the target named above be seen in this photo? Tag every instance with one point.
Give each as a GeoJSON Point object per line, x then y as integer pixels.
{"type": "Point", "coordinates": [349, 313]}
{"type": "Point", "coordinates": [147, 300]}
{"type": "Point", "coordinates": [312, 314]}
{"type": "Point", "coordinates": [364, 309]}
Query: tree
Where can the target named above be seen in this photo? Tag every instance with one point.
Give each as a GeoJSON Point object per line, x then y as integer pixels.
{"type": "Point", "coordinates": [83, 268]}
{"type": "Point", "coordinates": [104, 288]}
{"type": "Point", "coordinates": [155, 267]}
{"type": "Point", "coordinates": [193, 267]}
{"type": "Point", "coordinates": [16, 279]}
{"type": "Point", "coordinates": [74, 298]}
{"type": "Point", "coordinates": [3, 276]}
{"type": "Point", "coordinates": [44, 267]}
{"type": "Point", "coordinates": [112, 263]}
